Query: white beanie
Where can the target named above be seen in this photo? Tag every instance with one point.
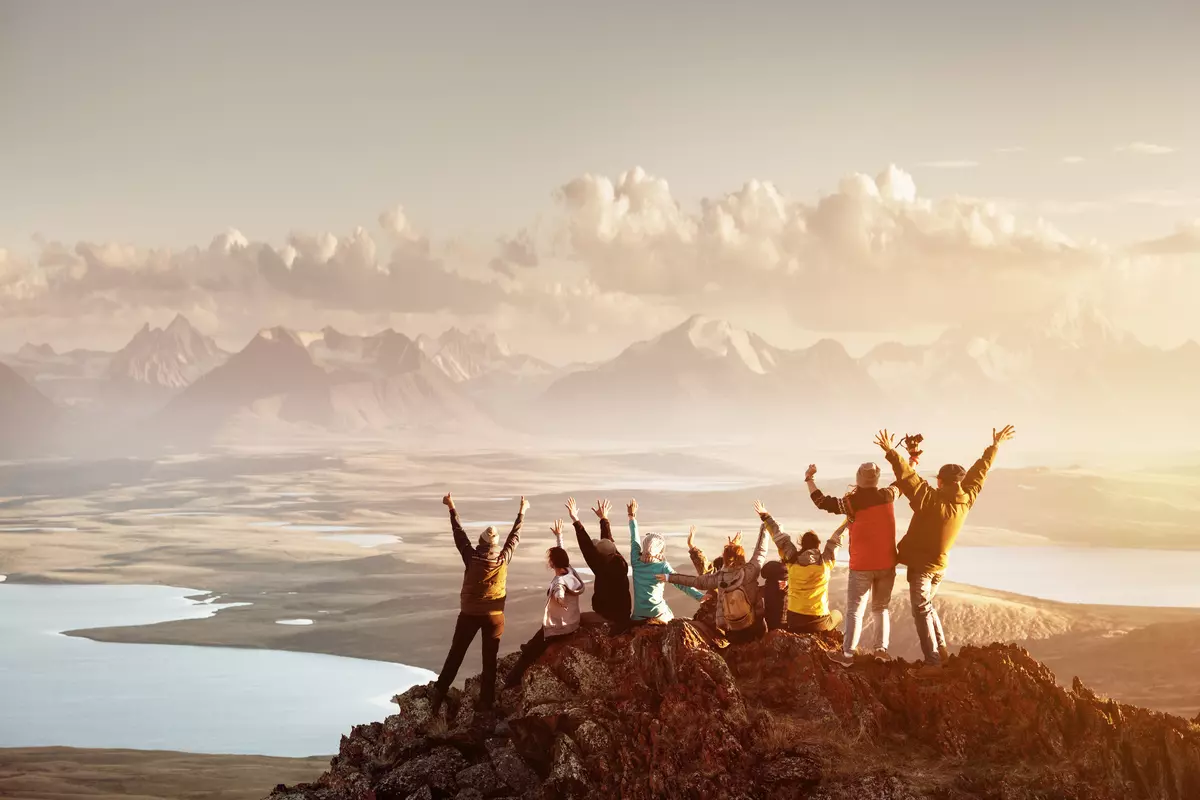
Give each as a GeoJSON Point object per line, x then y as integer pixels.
{"type": "Point", "coordinates": [868, 475]}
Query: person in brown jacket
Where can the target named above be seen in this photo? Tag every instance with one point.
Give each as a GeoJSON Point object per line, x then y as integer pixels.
{"type": "Point", "coordinates": [481, 603]}
{"type": "Point", "coordinates": [938, 516]}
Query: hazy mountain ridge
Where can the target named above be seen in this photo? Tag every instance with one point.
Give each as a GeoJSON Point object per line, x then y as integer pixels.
{"type": "Point", "coordinates": [27, 417]}
{"type": "Point", "coordinates": [172, 357]}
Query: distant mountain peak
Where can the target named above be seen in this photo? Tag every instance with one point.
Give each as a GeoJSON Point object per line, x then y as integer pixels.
{"type": "Point", "coordinates": [280, 335]}
{"type": "Point", "coordinates": [32, 351]}
{"type": "Point", "coordinates": [170, 357]}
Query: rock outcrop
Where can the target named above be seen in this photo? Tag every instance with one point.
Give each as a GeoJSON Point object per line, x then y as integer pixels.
{"type": "Point", "coordinates": [661, 713]}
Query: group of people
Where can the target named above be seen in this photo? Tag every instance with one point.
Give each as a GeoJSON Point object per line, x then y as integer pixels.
{"type": "Point", "coordinates": [795, 590]}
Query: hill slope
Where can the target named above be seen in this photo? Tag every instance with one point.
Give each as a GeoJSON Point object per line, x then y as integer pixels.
{"type": "Point", "coordinates": [26, 415]}
{"type": "Point", "coordinates": [660, 713]}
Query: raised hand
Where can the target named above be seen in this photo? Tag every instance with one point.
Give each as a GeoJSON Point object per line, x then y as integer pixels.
{"type": "Point", "coordinates": [572, 509]}
{"type": "Point", "coordinates": [524, 505]}
{"type": "Point", "coordinates": [736, 538]}
{"type": "Point", "coordinates": [632, 509]}
{"type": "Point", "coordinates": [810, 472]}
{"type": "Point", "coordinates": [1003, 435]}
{"type": "Point", "coordinates": [692, 538]}
{"type": "Point", "coordinates": [602, 508]}
{"type": "Point", "coordinates": [759, 508]}
{"type": "Point", "coordinates": [448, 501]}
{"type": "Point", "coordinates": [557, 527]}
{"type": "Point", "coordinates": [885, 440]}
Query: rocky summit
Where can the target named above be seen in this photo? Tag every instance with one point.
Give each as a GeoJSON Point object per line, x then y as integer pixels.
{"type": "Point", "coordinates": [663, 712]}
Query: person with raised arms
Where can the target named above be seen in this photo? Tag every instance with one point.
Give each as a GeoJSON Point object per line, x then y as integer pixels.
{"type": "Point", "coordinates": [809, 567]}
{"type": "Point", "coordinates": [648, 555]}
{"type": "Point", "coordinates": [610, 592]}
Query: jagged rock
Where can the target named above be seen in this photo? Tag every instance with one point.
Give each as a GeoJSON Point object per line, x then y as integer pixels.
{"type": "Point", "coordinates": [659, 712]}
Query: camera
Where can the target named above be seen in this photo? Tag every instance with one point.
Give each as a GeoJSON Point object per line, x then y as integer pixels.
{"type": "Point", "coordinates": [912, 443]}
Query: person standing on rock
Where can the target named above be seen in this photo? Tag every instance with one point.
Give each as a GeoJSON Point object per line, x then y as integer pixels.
{"type": "Point", "coordinates": [560, 618]}
{"type": "Point", "coordinates": [481, 603]}
{"type": "Point", "coordinates": [648, 555]}
{"type": "Point", "coordinates": [809, 567]}
{"type": "Point", "coordinates": [871, 513]}
{"type": "Point", "coordinates": [610, 591]}
{"type": "Point", "coordinates": [736, 583]}
{"type": "Point", "coordinates": [938, 516]}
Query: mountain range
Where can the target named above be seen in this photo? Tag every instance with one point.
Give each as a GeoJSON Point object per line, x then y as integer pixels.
{"type": "Point", "coordinates": [703, 378]}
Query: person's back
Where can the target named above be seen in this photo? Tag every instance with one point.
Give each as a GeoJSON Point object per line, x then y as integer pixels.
{"type": "Point", "coordinates": [648, 562]}
{"type": "Point", "coordinates": [737, 611]}
{"type": "Point", "coordinates": [808, 568]}
{"type": "Point", "coordinates": [775, 594]}
{"type": "Point", "coordinates": [610, 591]}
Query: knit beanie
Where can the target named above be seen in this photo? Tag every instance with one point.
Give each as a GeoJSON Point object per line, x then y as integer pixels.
{"type": "Point", "coordinates": [868, 476]}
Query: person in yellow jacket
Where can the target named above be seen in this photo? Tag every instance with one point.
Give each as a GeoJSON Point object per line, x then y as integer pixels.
{"type": "Point", "coordinates": [809, 567]}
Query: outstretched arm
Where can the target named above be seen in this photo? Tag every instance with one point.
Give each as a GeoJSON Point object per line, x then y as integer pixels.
{"type": "Point", "coordinates": [586, 546]}
{"type": "Point", "coordinates": [760, 548]}
{"type": "Point", "coordinates": [829, 554]}
{"type": "Point", "coordinates": [977, 474]}
{"type": "Point", "coordinates": [911, 485]}
{"type": "Point", "coordinates": [514, 536]}
{"type": "Point", "coordinates": [601, 510]}
{"type": "Point", "coordinates": [690, 591]}
{"type": "Point", "coordinates": [461, 542]}
{"type": "Point", "coordinates": [709, 581]}
{"type": "Point", "coordinates": [699, 561]}
{"type": "Point", "coordinates": [831, 504]}
{"type": "Point", "coordinates": [787, 548]}
{"type": "Point", "coordinates": [635, 546]}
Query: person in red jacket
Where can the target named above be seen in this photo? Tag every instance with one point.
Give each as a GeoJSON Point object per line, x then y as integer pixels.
{"type": "Point", "coordinates": [872, 515]}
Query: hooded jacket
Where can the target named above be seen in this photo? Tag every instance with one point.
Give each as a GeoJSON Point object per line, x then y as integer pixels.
{"type": "Point", "coordinates": [610, 592]}
{"type": "Point", "coordinates": [485, 576]}
{"type": "Point", "coordinates": [808, 570]}
{"type": "Point", "coordinates": [938, 514]}
{"type": "Point", "coordinates": [561, 615]}
{"type": "Point", "coordinates": [648, 600]}
{"type": "Point", "coordinates": [872, 516]}
{"type": "Point", "coordinates": [727, 579]}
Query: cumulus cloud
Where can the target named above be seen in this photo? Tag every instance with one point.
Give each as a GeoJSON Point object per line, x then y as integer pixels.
{"type": "Point", "coordinates": [844, 261]}
{"type": "Point", "coordinates": [514, 252]}
{"type": "Point", "coordinates": [1145, 149]}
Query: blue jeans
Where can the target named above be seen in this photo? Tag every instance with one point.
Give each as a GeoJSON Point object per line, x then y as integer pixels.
{"type": "Point", "coordinates": [877, 584]}
{"type": "Point", "coordinates": [922, 586]}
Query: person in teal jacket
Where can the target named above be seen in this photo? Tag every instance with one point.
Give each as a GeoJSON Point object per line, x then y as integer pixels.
{"type": "Point", "coordinates": [649, 560]}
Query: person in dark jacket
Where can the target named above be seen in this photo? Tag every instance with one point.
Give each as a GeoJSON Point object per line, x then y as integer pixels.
{"type": "Point", "coordinates": [872, 515]}
{"type": "Point", "coordinates": [775, 594]}
{"type": "Point", "coordinates": [481, 603]}
{"type": "Point", "coordinates": [938, 516]}
{"type": "Point", "coordinates": [610, 594]}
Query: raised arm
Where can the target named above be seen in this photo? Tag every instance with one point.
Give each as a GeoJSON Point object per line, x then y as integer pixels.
{"type": "Point", "coordinates": [973, 483]}
{"type": "Point", "coordinates": [635, 546]}
{"type": "Point", "coordinates": [910, 484]}
{"type": "Point", "coordinates": [461, 542]}
{"type": "Point", "coordinates": [601, 510]}
{"type": "Point", "coordinates": [760, 548]}
{"type": "Point", "coordinates": [699, 561]}
{"type": "Point", "coordinates": [586, 546]}
{"type": "Point", "coordinates": [787, 548]}
{"type": "Point", "coordinates": [514, 536]}
{"type": "Point", "coordinates": [833, 505]}
{"type": "Point", "coordinates": [829, 554]}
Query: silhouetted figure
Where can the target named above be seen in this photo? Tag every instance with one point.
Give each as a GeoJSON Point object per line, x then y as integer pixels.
{"type": "Point", "coordinates": [481, 603]}
{"type": "Point", "coordinates": [610, 591]}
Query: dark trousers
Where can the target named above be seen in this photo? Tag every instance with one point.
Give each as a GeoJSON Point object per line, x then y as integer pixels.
{"type": "Point", "coordinates": [807, 623]}
{"type": "Point", "coordinates": [492, 628]}
{"type": "Point", "coordinates": [755, 631]}
{"type": "Point", "coordinates": [531, 651]}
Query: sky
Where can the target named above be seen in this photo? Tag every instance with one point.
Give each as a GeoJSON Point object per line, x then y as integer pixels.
{"type": "Point", "coordinates": [594, 171]}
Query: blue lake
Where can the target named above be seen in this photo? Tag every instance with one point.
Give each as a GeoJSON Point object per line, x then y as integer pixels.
{"type": "Point", "coordinates": [65, 690]}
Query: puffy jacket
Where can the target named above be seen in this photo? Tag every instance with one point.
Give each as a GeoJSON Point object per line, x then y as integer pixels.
{"type": "Point", "coordinates": [485, 579]}
{"type": "Point", "coordinates": [808, 570]}
{"type": "Point", "coordinates": [561, 615]}
{"type": "Point", "coordinates": [938, 514]}
{"type": "Point", "coordinates": [726, 579]}
{"type": "Point", "coordinates": [648, 600]}
{"type": "Point", "coordinates": [872, 516]}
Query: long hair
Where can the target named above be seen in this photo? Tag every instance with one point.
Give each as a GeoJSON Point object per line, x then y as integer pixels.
{"type": "Point", "coordinates": [557, 558]}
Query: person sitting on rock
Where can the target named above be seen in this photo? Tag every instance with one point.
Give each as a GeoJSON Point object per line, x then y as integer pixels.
{"type": "Point", "coordinates": [481, 603]}
{"type": "Point", "coordinates": [809, 567]}
{"type": "Point", "coordinates": [871, 512]}
{"type": "Point", "coordinates": [560, 618]}
{"type": "Point", "coordinates": [610, 591]}
{"type": "Point", "coordinates": [938, 516]}
{"type": "Point", "coordinates": [707, 612]}
{"type": "Point", "coordinates": [775, 594]}
{"type": "Point", "coordinates": [738, 613]}
{"type": "Point", "coordinates": [648, 555]}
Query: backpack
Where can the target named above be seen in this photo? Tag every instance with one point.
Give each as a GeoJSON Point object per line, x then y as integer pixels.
{"type": "Point", "coordinates": [735, 606]}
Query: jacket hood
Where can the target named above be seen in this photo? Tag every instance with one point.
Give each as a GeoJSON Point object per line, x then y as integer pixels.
{"type": "Point", "coordinates": [808, 557]}
{"type": "Point", "coordinates": [571, 581]}
{"type": "Point", "coordinates": [954, 493]}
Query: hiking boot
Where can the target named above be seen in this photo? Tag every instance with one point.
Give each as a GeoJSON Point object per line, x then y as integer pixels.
{"type": "Point", "coordinates": [881, 654]}
{"type": "Point", "coordinates": [845, 660]}
{"type": "Point", "coordinates": [944, 654]}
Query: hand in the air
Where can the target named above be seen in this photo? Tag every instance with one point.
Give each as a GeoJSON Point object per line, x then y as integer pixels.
{"type": "Point", "coordinates": [557, 527]}
{"type": "Point", "coordinates": [885, 440]}
{"type": "Point", "coordinates": [735, 539]}
{"type": "Point", "coordinates": [524, 505]}
{"type": "Point", "coordinates": [1003, 435]}
{"type": "Point", "coordinates": [448, 501]}
{"type": "Point", "coordinates": [632, 509]}
{"type": "Point", "coordinates": [572, 509]}
{"type": "Point", "coordinates": [602, 508]}
{"type": "Point", "coordinates": [759, 508]}
{"type": "Point", "coordinates": [692, 538]}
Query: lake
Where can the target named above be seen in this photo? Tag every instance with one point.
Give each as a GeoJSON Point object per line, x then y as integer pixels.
{"type": "Point", "coordinates": [65, 690]}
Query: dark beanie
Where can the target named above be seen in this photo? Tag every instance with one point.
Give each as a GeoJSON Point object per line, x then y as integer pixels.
{"type": "Point", "coordinates": [952, 473]}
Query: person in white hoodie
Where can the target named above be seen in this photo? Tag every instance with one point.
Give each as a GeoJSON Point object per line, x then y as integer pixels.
{"type": "Point", "coordinates": [560, 619]}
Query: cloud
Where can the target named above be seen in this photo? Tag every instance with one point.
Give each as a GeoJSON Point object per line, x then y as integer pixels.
{"type": "Point", "coordinates": [961, 163]}
{"type": "Point", "coordinates": [1073, 159]}
{"type": "Point", "coordinates": [516, 251]}
{"type": "Point", "coordinates": [1184, 241]}
{"type": "Point", "coordinates": [1144, 149]}
{"type": "Point", "coordinates": [849, 259]}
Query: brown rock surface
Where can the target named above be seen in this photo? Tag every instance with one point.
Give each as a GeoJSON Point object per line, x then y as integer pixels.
{"type": "Point", "coordinates": [660, 713]}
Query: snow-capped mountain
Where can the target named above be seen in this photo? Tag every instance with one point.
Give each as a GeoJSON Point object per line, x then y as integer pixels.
{"type": "Point", "coordinates": [466, 356]}
{"type": "Point", "coordinates": [171, 357]}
